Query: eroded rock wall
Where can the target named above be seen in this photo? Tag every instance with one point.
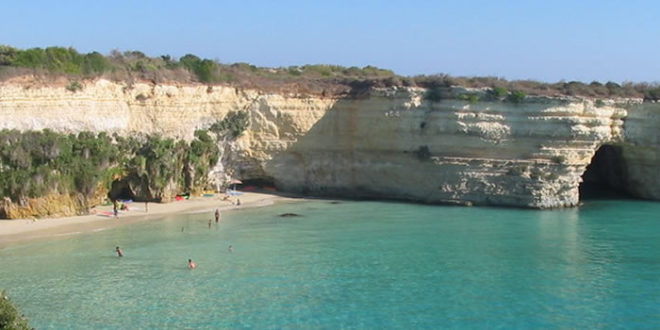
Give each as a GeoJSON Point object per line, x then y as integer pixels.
{"type": "Point", "coordinates": [396, 145]}
{"type": "Point", "coordinates": [389, 144]}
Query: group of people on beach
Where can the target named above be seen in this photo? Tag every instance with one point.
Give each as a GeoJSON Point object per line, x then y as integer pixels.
{"type": "Point", "coordinates": [191, 264]}
{"type": "Point", "coordinates": [116, 206]}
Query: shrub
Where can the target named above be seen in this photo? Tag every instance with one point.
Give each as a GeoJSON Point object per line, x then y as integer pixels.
{"type": "Point", "coordinates": [95, 63]}
{"type": "Point", "coordinates": [294, 71]}
{"type": "Point", "coordinates": [203, 155]}
{"type": "Point", "coordinates": [599, 103]}
{"type": "Point", "coordinates": [499, 92]}
{"type": "Point", "coordinates": [10, 318]}
{"type": "Point", "coordinates": [7, 55]}
{"type": "Point", "coordinates": [516, 97]}
{"type": "Point", "coordinates": [652, 94]}
{"type": "Point", "coordinates": [234, 123]}
{"type": "Point", "coordinates": [74, 86]}
{"type": "Point", "coordinates": [469, 97]}
{"type": "Point", "coordinates": [204, 69]}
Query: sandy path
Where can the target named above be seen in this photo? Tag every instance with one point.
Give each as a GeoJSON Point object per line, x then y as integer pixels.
{"type": "Point", "coordinates": [22, 230]}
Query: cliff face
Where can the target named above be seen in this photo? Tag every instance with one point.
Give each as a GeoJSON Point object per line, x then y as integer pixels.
{"type": "Point", "coordinates": [389, 144]}
{"type": "Point", "coordinates": [395, 145]}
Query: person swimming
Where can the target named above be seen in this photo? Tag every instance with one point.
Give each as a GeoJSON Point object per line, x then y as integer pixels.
{"type": "Point", "coordinates": [191, 264]}
{"type": "Point", "coordinates": [120, 253]}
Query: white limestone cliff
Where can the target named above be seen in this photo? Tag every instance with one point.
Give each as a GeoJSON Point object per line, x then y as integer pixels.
{"type": "Point", "coordinates": [390, 144]}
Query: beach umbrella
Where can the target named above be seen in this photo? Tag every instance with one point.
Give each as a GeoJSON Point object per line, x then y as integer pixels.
{"type": "Point", "coordinates": [235, 182]}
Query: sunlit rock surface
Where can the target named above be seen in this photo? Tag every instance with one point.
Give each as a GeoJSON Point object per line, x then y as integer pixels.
{"type": "Point", "coordinates": [390, 143]}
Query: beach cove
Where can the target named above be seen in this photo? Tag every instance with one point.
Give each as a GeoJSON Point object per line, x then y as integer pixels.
{"type": "Point", "coordinates": [349, 264]}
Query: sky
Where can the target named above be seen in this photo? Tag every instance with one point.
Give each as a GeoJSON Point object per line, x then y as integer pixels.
{"type": "Point", "coordinates": [549, 40]}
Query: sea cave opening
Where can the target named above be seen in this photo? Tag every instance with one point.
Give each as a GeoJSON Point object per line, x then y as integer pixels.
{"type": "Point", "coordinates": [260, 183]}
{"type": "Point", "coordinates": [121, 190]}
{"type": "Point", "coordinates": [605, 176]}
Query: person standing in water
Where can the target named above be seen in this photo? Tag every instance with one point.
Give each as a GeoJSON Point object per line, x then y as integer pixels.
{"type": "Point", "coordinates": [191, 264]}
{"type": "Point", "coordinates": [217, 215]}
{"type": "Point", "coordinates": [209, 223]}
{"type": "Point", "coordinates": [230, 249]}
{"type": "Point", "coordinates": [120, 253]}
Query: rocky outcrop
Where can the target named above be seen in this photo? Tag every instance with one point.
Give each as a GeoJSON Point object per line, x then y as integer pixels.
{"type": "Point", "coordinates": [54, 205]}
{"type": "Point", "coordinates": [389, 143]}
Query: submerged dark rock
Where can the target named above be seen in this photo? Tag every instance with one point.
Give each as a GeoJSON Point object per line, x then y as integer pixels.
{"type": "Point", "coordinates": [290, 215]}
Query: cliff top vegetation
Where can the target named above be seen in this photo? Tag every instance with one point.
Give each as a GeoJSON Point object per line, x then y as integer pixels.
{"type": "Point", "coordinates": [319, 79]}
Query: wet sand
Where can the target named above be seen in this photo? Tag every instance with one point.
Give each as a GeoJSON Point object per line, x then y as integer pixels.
{"type": "Point", "coordinates": [23, 230]}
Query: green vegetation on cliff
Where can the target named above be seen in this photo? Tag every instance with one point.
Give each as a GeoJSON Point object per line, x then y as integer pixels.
{"type": "Point", "coordinates": [314, 79]}
{"type": "Point", "coordinates": [35, 164]}
{"type": "Point", "coordinates": [234, 124]}
{"type": "Point", "coordinates": [10, 318]}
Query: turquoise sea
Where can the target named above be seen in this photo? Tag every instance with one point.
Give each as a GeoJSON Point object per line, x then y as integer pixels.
{"type": "Point", "coordinates": [352, 265]}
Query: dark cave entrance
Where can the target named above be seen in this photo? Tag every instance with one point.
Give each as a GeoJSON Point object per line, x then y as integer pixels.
{"type": "Point", "coordinates": [259, 183]}
{"type": "Point", "coordinates": [605, 176]}
{"type": "Point", "coordinates": [121, 190]}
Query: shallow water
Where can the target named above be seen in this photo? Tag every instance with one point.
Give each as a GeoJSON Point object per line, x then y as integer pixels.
{"type": "Point", "coordinates": [352, 264]}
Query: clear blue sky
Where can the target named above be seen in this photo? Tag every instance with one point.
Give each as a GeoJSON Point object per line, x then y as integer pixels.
{"type": "Point", "coordinates": [546, 40]}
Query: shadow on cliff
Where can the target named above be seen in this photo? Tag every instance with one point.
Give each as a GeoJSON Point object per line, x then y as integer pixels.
{"type": "Point", "coordinates": [357, 154]}
{"type": "Point", "coordinates": [381, 147]}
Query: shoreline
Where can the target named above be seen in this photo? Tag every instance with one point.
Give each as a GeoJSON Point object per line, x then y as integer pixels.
{"type": "Point", "coordinates": [17, 231]}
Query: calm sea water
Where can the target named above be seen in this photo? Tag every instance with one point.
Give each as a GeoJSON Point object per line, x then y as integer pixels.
{"type": "Point", "coordinates": [352, 265]}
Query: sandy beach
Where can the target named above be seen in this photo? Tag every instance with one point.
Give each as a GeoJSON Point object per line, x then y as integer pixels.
{"type": "Point", "coordinates": [22, 230]}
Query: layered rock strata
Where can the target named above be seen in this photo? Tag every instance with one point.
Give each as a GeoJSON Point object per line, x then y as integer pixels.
{"type": "Point", "coordinates": [391, 143]}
